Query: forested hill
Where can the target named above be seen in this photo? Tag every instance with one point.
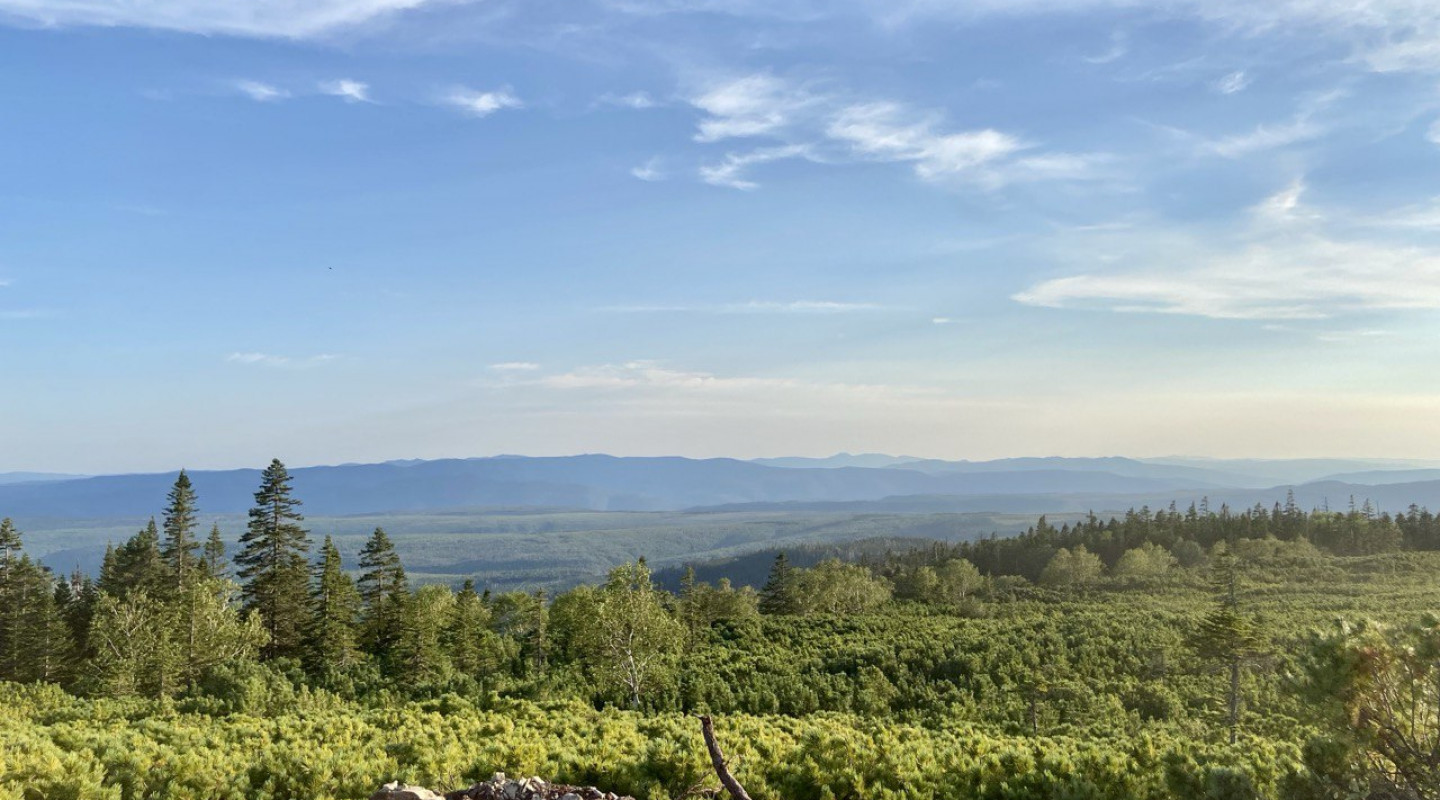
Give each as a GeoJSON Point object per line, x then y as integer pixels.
{"type": "Point", "coordinates": [607, 483]}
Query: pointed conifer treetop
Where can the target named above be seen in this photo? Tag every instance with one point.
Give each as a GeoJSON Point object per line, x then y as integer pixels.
{"type": "Point", "coordinates": [180, 546]}
{"type": "Point", "coordinates": [273, 564]}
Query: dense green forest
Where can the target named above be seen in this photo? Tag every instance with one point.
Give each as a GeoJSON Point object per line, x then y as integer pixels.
{"type": "Point", "coordinates": [1265, 653]}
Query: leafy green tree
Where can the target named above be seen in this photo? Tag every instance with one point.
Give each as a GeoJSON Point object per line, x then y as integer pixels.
{"type": "Point", "coordinates": [384, 589]}
{"type": "Point", "coordinates": [833, 587]}
{"type": "Point", "coordinates": [524, 618]}
{"type": "Point", "coordinates": [633, 643]}
{"type": "Point", "coordinates": [1072, 568]}
{"type": "Point", "coordinates": [212, 630]}
{"type": "Point", "coordinates": [134, 651]}
{"type": "Point", "coordinates": [1377, 691]}
{"type": "Point", "coordinates": [1147, 561]}
{"type": "Point", "coordinates": [335, 614]}
{"type": "Point", "coordinates": [180, 547]}
{"type": "Point", "coordinates": [273, 565]}
{"type": "Point", "coordinates": [957, 580]}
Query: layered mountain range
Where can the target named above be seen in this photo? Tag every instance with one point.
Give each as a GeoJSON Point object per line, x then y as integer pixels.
{"type": "Point", "coordinates": [860, 483]}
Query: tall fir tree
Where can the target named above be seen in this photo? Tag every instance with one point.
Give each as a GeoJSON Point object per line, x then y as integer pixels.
{"type": "Point", "coordinates": [180, 547]}
{"type": "Point", "coordinates": [137, 566]}
{"type": "Point", "coordinates": [383, 587]}
{"type": "Point", "coordinates": [212, 558]}
{"type": "Point", "coordinates": [335, 611]}
{"type": "Point", "coordinates": [778, 595]}
{"type": "Point", "coordinates": [11, 617]}
{"type": "Point", "coordinates": [273, 565]}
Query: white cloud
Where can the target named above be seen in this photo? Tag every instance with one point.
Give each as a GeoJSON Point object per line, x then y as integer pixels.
{"type": "Point", "coordinates": [635, 100]}
{"type": "Point", "coordinates": [730, 172]}
{"type": "Point", "coordinates": [1433, 134]}
{"type": "Point", "coordinates": [753, 105]}
{"type": "Point", "coordinates": [350, 91]}
{"type": "Point", "coordinates": [649, 171]}
{"type": "Point", "coordinates": [260, 92]}
{"type": "Point", "coordinates": [481, 104]}
{"type": "Point", "coordinates": [260, 18]}
{"type": "Point", "coordinates": [755, 307]}
{"type": "Point", "coordinates": [1234, 83]}
{"type": "Point", "coordinates": [1284, 267]}
{"type": "Point", "coordinates": [1117, 51]}
{"type": "Point", "coordinates": [270, 360]}
{"type": "Point", "coordinates": [515, 366]}
{"type": "Point", "coordinates": [828, 128]}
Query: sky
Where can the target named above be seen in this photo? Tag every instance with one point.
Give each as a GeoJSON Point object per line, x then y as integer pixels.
{"type": "Point", "coordinates": [358, 230]}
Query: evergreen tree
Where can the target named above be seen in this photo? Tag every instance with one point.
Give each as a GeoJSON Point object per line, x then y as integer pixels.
{"type": "Point", "coordinates": [1228, 636]}
{"type": "Point", "coordinates": [212, 558]}
{"type": "Point", "coordinates": [180, 547]}
{"type": "Point", "coordinates": [473, 647]}
{"type": "Point", "coordinates": [335, 611]}
{"type": "Point", "coordinates": [272, 562]}
{"type": "Point", "coordinates": [420, 652]}
{"type": "Point", "coordinates": [383, 587]}
{"type": "Point", "coordinates": [11, 616]}
{"type": "Point", "coordinates": [778, 595]}
{"type": "Point", "coordinates": [137, 566]}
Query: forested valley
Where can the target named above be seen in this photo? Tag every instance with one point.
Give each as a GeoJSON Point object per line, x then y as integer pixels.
{"type": "Point", "coordinates": [1198, 653]}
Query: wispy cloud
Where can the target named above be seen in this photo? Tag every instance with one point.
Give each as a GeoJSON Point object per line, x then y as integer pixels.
{"type": "Point", "coordinates": [730, 172]}
{"type": "Point", "coordinates": [515, 366]}
{"type": "Point", "coordinates": [25, 313]}
{"type": "Point", "coordinates": [271, 360]}
{"type": "Point", "coordinates": [1285, 266]}
{"type": "Point", "coordinates": [258, 18]}
{"type": "Point", "coordinates": [1234, 83]}
{"type": "Point", "coordinates": [649, 171]}
{"type": "Point", "coordinates": [802, 122]}
{"type": "Point", "coordinates": [260, 92]}
{"type": "Point", "coordinates": [755, 307]}
{"type": "Point", "coordinates": [348, 90]}
{"type": "Point", "coordinates": [634, 100]}
{"type": "Point", "coordinates": [1117, 51]}
{"type": "Point", "coordinates": [481, 103]}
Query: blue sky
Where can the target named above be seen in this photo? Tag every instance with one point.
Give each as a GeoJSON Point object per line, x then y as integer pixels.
{"type": "Point", "coordinates": [377, 229]}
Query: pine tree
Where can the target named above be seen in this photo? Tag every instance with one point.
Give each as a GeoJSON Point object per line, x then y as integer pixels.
{"type": "Point", "coordinates": [335, 610]}
{"type": "Point", "coordinates": [212, 559]}
{"type": "Point", "coordinates": [179, 550]}
{"type": "Point", "coordinates": [383, 587]}
{"type": "Point", "coordinates": [778, 595]}
{"type": "Point", "coordinates": [272, 562]}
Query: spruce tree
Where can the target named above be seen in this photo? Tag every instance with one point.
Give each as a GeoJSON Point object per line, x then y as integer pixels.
{"type": "Point", "coordinates": [212, 559]}
{"type": "Point", "coordinates": [335, 610]}
{"type": "Point", "coordinates": [11, 617]}
{"type": "Point", "coordinates": [778, 595]}
{"type": "Point", "coordinates": [180, 547]}
{"type": "Point", "coordinates": [383, 587]}
{"type": "Point", "coordinates": [272, 562]}
{"type": "Point", "coordinates": [137, 566]}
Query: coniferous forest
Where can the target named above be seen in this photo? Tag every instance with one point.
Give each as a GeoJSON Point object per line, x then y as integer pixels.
{"type": "Point", "coordinates": [1184, 653]}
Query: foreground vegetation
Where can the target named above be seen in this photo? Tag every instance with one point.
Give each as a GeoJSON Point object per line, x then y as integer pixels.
{"type": "Point", "coordinates": [1266, 654]}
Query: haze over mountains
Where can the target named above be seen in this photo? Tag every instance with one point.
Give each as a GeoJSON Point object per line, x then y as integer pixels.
{"type": "Point", "coordinates": [860, 483]}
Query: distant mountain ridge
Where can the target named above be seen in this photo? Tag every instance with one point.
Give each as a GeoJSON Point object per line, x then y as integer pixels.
{"type": "Point", "coordinates": [610, 483]}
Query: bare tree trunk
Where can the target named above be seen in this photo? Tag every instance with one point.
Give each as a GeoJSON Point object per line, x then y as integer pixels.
{"type": "Point", "coordinates": [717, 759]}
